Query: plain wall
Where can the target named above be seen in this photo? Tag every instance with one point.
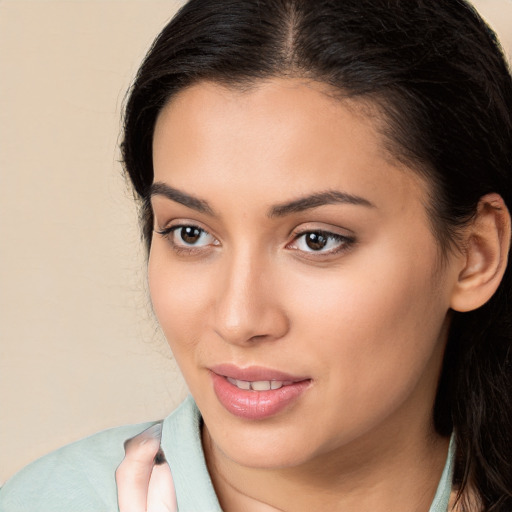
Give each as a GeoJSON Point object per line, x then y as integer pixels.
{"type": "Point", "coordinates": [79, 349]}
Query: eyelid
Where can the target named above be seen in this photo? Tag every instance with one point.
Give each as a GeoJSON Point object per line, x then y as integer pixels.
{"type": "Point", "coordinates": [327, 229]}
{"type": "Point", "coordinates": [179, 222]}
{"type": "Point", "coordinates": [321, 225]}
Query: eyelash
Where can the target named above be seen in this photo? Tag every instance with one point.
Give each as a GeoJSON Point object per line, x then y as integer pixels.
{"type": "Point", "coordinates": [344, 242]}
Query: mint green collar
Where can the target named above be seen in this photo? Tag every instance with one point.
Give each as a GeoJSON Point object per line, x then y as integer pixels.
{"type": "Point", "coordinates": [444, 489]}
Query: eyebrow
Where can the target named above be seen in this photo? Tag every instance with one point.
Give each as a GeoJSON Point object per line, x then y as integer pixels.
{"type": "Point", "coordinates": [162, 189]}
{"type": "Point", "coordinates": [296, 206]}
{"type": "Point", "coordinates": [317, 200]}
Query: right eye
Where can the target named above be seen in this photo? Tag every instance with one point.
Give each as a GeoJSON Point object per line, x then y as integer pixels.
{"type": "Point", "coordinates": [188, 237]}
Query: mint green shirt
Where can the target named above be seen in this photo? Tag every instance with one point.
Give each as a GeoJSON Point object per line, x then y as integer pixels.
{"type": "Point", "coordinates": [80, 477]}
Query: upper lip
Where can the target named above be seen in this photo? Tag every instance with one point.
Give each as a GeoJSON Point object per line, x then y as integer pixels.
{"type": "Point", "coordinates": [254, 373]}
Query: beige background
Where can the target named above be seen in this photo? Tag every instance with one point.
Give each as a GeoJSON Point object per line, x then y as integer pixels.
{"type": "Point", "coordinates": [79, 350]}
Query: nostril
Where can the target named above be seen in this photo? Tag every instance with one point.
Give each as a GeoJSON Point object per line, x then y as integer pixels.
{"type": "Point", "coordinates": [246, 309]}
{"type": "Point", "coordinates": [258, 337]}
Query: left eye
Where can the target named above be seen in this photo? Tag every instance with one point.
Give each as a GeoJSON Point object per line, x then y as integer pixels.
{"type": "Point", "coordinates": [319, 241]}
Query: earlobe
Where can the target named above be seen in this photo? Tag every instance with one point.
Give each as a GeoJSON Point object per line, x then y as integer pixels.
{"type": "Point", "coordinates": [486, 248]}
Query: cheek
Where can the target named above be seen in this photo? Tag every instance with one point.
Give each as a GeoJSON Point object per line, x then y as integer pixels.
{"type": "Point", "coordinates": [178, 295]}
{"type": "Point", "coordinates": [375, 324]}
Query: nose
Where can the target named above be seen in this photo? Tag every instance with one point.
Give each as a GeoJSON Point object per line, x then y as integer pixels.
{"type": "Point", "coordinates": [248, 308]}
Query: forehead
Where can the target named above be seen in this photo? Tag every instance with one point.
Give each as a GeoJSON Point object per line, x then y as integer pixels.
{"type": "Point", "coordinates": [278, 139]}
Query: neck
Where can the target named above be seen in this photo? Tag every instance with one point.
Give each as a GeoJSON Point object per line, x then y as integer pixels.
{"type": "Point", "coordinates": [401, 474]}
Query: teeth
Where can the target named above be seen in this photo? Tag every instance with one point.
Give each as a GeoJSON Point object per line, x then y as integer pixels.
{"type": "Point", "coordinates": [259, 385]}
{"type": "Point", "coordinates": [241, 384]}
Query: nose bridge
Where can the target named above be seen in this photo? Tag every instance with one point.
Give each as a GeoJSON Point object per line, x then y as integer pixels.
{"type": "Point", "coordinates": [247, 307]}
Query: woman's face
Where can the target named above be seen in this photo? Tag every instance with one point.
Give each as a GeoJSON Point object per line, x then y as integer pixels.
{"type": "Point", "coordinates": [294, 254]}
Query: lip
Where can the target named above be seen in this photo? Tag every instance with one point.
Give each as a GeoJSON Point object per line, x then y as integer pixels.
{"type": "Point", "coordinates": [253, 373]}
{"type": "Point", "coordinates": [256, 405]}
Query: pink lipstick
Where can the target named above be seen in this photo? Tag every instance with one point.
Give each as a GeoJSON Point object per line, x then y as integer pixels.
{"type": "Point", "coordinates": [255, 392]}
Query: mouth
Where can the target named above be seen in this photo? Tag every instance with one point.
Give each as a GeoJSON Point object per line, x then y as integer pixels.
{"type": "Point", "coordinates": [256, 393]}
{"type": "Point", "coordinates": [258, 385]}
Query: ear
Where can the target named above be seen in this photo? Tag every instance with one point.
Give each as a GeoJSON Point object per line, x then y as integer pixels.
{"type": "Point", "coordinates": [485, 253]}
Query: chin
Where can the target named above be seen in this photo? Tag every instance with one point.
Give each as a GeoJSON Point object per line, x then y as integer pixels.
{"type": "Point", "coordinates": [268, 446]}
{"type": "Point", "coordinates": [266, 456]}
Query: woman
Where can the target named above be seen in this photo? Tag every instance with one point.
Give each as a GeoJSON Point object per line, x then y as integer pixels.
{"type": "Point", "coordinates": [324, 190]}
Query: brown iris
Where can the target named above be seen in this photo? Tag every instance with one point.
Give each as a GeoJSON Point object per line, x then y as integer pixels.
{"type": "Point", "coordinates": [316, 241]}
{"type": "Point", "coordinates": [190, 234]}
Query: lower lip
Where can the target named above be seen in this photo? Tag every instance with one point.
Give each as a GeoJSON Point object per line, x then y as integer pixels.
{"type": "Point", "coordinates": [256, 405]}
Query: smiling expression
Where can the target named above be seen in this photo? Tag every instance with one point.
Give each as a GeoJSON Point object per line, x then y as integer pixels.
{"type": "Point", "coordinates": [291, 250]}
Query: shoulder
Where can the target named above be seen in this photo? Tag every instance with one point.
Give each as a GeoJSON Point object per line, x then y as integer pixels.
{"type": "Point", "coordinates": [77, 477]}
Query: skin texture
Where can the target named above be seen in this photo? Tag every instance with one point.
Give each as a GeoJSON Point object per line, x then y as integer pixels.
{"type": "Point", "coordinates": [364, 319]}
